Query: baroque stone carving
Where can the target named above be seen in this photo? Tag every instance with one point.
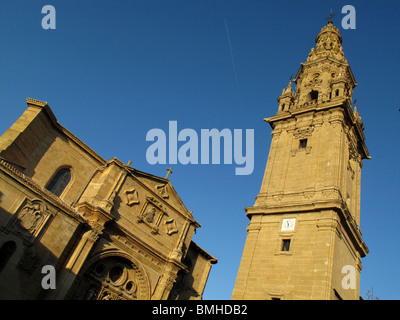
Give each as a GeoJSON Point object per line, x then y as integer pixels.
{"type": "Point", "coordinates": [354, 153]}
{"type": "Point", "coordinates": [96, 231]}
{"type": "Point", "coordinates": [132, 197]}
{"type": "Point", "coordinates": [151, 214]}
{"type": "Point", "coordinates": [29, 220]}
{"type": "Point", "coordinates": [301, 133]}
{"type": "Point", "coordinates": [112, 278]}
{"type": "Point", "coordinates": [170, 226]}
{"type": "Point", "coordinates": [162, 190]}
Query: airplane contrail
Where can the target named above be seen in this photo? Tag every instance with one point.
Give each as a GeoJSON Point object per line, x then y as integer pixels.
{"type": "Point", "coordinates": [230, 49]}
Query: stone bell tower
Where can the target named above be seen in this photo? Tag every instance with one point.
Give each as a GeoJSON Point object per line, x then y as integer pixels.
{"type": "Point", "coordinates": [304, 239]}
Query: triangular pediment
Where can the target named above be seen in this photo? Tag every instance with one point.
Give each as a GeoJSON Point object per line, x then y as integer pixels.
{"type": "Point", "coordinates": [161, 189]}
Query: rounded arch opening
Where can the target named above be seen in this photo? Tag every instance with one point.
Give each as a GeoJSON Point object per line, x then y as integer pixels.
{"type": "Point", "coordinates": [112, 276]}
{"type": "Point", "coordinates": [312, 96]}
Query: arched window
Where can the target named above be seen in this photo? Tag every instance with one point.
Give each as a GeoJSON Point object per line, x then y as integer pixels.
{"type": "Point", "coordinates": [6, 251]}
{"type": "Point", "coordinates": [59, 182]}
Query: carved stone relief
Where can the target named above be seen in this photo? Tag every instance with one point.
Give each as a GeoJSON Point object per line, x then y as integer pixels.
{"type": "Point", "coordinates": [132, 197]}
{"type": "Point", "coordinates": [353, 150]}
{"type": "Point", "coordinates": [301, 133]}
{"type": "Point", "coordinates": [162, 190]}
{"type": "Point", "coordinates": [170, 226]}
{"type": "Point", "coordinates": [28, 220]}
{"type": "Point", "coordinates": [152, 215]}
{"type": "Point", "coordinates": [95, 232]}
{"type": "Point", "coordinates": [112, 278]}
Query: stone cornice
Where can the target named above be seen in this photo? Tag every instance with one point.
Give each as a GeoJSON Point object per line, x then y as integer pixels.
{"type": "Point", "coordinates": [337, 205]}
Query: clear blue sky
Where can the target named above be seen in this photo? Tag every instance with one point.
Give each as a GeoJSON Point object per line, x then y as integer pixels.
{"type": "Point", "coordinates": [113, 70]}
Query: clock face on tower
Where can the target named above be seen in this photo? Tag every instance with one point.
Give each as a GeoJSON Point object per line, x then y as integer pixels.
{"type": "Point", "coordinates": [288, 224]}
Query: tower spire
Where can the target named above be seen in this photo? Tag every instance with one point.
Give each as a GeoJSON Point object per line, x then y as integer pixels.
{"type": "Point", "coordinates": [326, 75]}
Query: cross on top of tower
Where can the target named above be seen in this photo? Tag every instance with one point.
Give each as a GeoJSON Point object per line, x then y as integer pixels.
{"type": "Point", "coordinates": [329, 18]}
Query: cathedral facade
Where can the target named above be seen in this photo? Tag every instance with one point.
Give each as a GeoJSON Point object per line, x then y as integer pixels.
{"type": "Point", "coordinates": [304, 239]}
{"type": "Point", "coordinates": [108, 230]}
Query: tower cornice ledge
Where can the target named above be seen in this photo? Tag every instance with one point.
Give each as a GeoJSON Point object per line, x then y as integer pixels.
{"type": "Point", "coordinates": [352, 228]}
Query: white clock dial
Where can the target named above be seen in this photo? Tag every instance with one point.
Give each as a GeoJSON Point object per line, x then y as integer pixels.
{"type": "Point", "coordinates": [288, 224]}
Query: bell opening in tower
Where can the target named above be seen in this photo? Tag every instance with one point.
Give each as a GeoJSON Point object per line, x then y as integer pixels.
{"type": "Point", "coordinates": [313, 96]}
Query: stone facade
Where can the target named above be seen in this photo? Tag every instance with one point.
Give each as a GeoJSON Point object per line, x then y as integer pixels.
{"type": "Point", "coordinates": [304, 233]}
{"type": "Point", "coordinates": [110, 230]}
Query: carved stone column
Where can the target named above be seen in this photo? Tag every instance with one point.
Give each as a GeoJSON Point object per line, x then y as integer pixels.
{"type": "Point", "coordinates": [166, 283]}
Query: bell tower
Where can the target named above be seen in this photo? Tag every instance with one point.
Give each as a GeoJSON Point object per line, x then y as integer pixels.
{"type": "Point", "coordinates": [303, 239]}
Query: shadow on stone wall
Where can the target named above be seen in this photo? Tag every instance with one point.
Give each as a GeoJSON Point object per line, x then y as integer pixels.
{"type": "Point", "coordinates": [22, 257]}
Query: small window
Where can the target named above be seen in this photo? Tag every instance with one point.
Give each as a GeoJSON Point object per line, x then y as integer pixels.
{"type": "Point", "coordinates": [286, 245]}
{"type": "Point", "coordinates": [59, 182]}
{"type": "Point", "coordinates": [303, 143]}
